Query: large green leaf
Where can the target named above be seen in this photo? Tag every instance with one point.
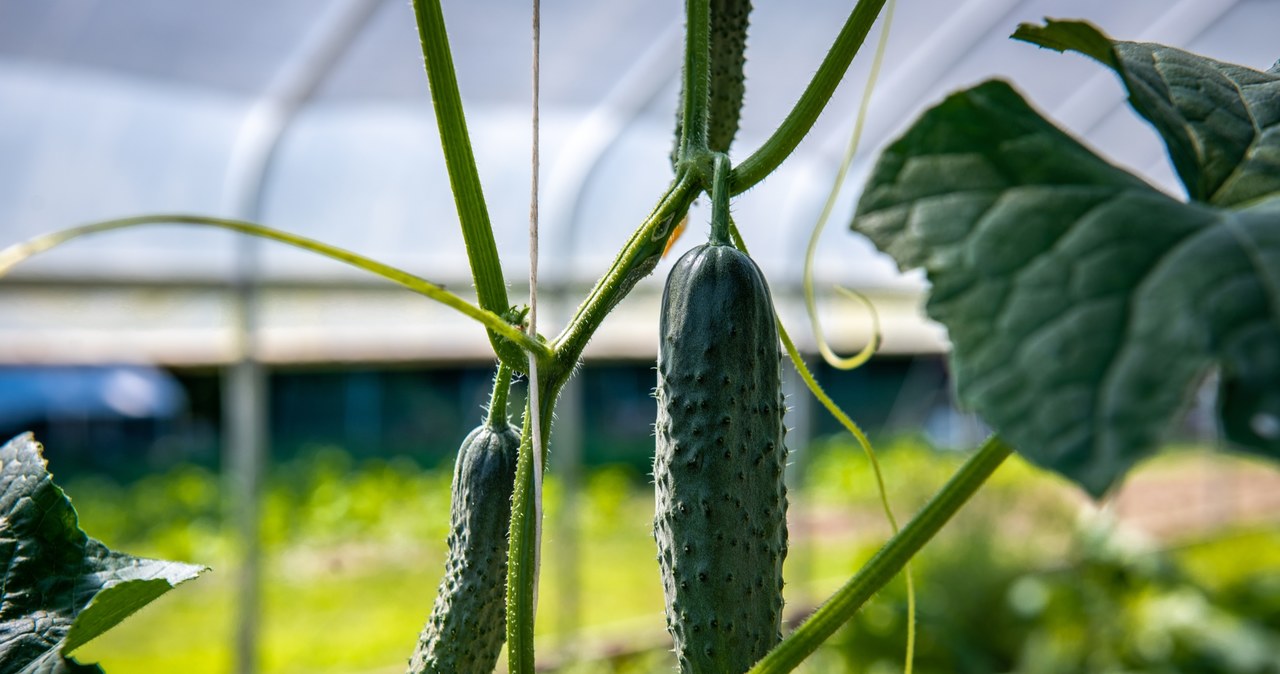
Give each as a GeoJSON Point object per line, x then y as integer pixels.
{"type": "Point", "coordinates": [1083, 305]}
{"type": "Point", "coordinates": [1220, 121]}
{"type": "Point", "coordinates": [60, 587]}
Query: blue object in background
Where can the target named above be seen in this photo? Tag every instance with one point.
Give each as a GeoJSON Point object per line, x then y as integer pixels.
{"type": "Point", "coordinates": [43, 394]}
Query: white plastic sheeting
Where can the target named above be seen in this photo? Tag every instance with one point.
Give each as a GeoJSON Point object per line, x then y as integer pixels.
{"type": "Point", "coordinates": [124, 107]}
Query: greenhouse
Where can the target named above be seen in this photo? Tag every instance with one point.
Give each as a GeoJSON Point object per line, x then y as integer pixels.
{"type": "Point", "coordinates": [291, 420]}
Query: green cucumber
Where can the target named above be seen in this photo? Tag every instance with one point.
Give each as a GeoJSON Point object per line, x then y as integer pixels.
{"type": "Point", "coordinates": [729, 21]}
{"type": "Point", "coordinates": [721, 522]}
{"type": "Point", "coordinates": [467, 627]}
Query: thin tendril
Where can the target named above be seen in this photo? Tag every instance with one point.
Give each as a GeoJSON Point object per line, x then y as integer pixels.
{"type": "Point", "coordinates": [829, 355]}
{"type": "Point", "coordinates": [865, 354]}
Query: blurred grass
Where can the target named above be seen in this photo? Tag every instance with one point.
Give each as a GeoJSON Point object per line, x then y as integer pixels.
{"type": "Point", "coordinates": [355, 552]}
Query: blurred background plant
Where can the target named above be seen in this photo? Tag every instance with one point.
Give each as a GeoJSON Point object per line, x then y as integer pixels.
{"type": "Point", "coordinates": [1030, 579]}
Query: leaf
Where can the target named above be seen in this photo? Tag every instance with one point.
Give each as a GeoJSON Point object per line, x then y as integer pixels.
{"type": "Point", "coordinates": [1220, 121]}
{"type": "Point", "coordinates": [1083, 305]}
{"type": "Point", "coordinates": [60, 587]}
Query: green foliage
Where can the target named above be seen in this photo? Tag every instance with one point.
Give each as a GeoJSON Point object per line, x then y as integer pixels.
{"type": "Point", "coordinates": [1024, 581]}
{"type": "Point", "coordinates": [336, 599]}
{"type": "Point", "coordinates": [321, 499]}
{"type": "Point", "coordinates": [351, 506]}
{"type": "Point", "coordinates": [1084, 305]}
{"type": "Point", "coordinates": [61, 588]}
{"type": "Point", "coordinates": [1112, 604]}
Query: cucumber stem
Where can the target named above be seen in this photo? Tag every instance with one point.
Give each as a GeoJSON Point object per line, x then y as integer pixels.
{"type": "Point", "coordinates": [720, 200]}
{"type": "Point", "coordinates": [497, 418]}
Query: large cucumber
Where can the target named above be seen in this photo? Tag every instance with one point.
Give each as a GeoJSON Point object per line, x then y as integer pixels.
{"type": "Point", "coordinates": [467, 627]}
{"type": "Point", "coordinates": [721, 503]}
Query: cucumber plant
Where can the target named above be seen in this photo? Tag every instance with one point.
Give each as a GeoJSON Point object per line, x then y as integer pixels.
{"type": "Point", "coordinates": [1083, 306]}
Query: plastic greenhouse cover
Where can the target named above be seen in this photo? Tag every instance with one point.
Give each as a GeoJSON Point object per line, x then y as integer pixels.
{"type": "Point", "coordinates": [118, 108]}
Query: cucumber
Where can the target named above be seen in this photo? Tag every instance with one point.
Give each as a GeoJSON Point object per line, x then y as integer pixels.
{"type": "Point", "coordinates": [467, 627]}
{"type": "Point", "coordinates": [721, 503]}
{"type": "Point", "coordinates": [729, 21]}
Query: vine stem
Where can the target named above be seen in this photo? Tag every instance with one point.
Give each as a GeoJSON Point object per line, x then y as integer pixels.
{"type": "Point", "coordinates": [800, 120]}
{"type": "Point", "coordinates": [460, 162]}
{"type": "Point", "coordinates": [638, 257]}
{"type": "Point", "coordinates": [887, 562]}
{"type": "Point", "coordinates": [697, 78]}
{"type": "Point", "coordinates": [11, 256]}
{"type": "Point", "coordinates": [521, 552]}
{"type": "Point", "coordinates": [524, 561]}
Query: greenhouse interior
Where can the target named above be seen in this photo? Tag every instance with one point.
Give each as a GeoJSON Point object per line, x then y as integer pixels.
{"type": "Point", "coordinates": [291, 420]}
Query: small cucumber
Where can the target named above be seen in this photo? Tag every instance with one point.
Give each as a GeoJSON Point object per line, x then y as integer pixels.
{"type": "Point", "coordinates": [721, 504]}
{"type": "Point", "coordinates": [467, 627]}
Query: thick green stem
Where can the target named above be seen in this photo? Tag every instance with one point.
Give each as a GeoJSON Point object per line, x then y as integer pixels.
{"type": "Point", "coordinates": [720, 222]}
{"type": "Point", "coordinates": [815, 97]}
{"type": "Point", "coordinates": [638, 257]}
{"type": "Point", "coordinates": [697, 77]}
{"type": "Point", "coordinates": [521, 565]}
{"type": "Point", "coordinates": [482, 252]}
{"type": "Point", "coordinates": [887, 562]}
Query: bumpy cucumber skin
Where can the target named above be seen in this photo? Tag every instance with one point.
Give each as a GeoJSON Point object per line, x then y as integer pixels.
{"type": "Point", "coordinates": [467, 627]}
{"type": "Point", "coordinates": [729, 20]}
{"type": "Point", "coordinates": [721, 503]}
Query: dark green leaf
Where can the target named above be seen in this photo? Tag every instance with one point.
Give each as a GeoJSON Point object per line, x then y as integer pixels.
{"type": "Point", "coordinates": [60, 587]}
{"type": "Point", "coordinates": [1220, 121]}
{"type": "Point", "coordinates": [1083, 305]}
